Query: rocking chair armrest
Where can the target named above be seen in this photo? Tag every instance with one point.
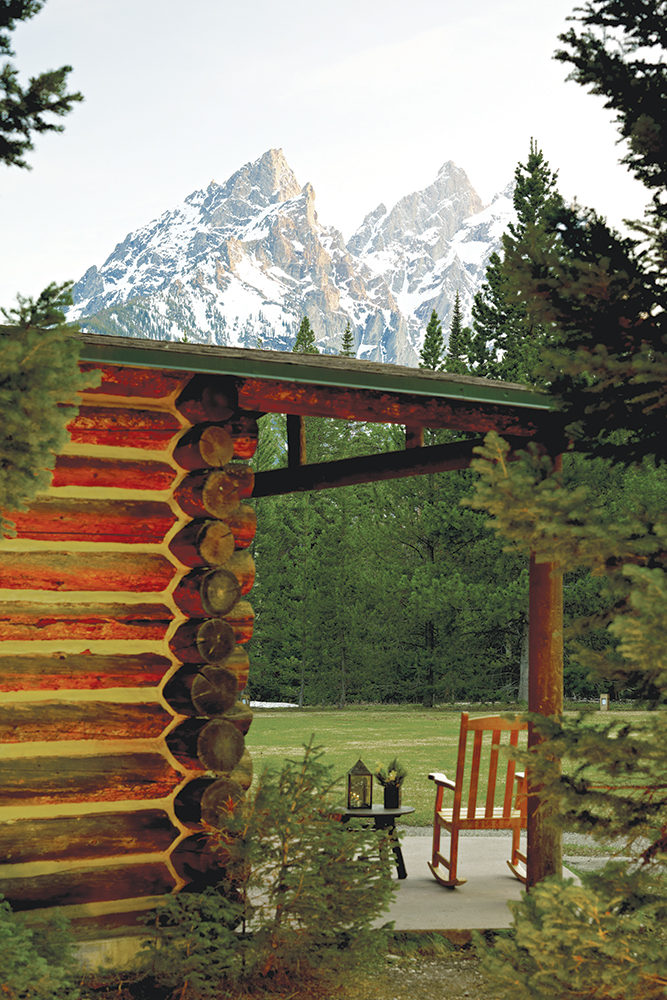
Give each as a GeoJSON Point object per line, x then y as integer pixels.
{"type": "Point", "coordinates": [442, 780]}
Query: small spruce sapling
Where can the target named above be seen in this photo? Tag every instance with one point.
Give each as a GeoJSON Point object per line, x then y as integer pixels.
{"type": "Point", "coordinates": [305, 339]}
{"type": "Point", "coordinates": [298, 892]}
{"type": "Point", "coordinates": [433, 348]}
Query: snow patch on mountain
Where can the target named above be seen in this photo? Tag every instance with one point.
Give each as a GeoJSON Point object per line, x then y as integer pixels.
{"type": "Point", "coordinates": [240, 263]}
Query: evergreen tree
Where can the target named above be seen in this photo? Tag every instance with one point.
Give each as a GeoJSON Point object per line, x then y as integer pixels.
{"type": "Point", "coordinates": [305, 339]}
{"type": "Point", "coordinates": [434, 345]}
{"type": "Point", "coordinates": [38, 361]}
{"type": "Point", "coordinates": [605, 298]}
{"type": "Point", "coordinates": [24, 112]}
{"type": "Point", "coordinates": [507, 341]}
{"type": "Point", "coordinates": [347, 350]}
{"type": "Point", "coordinates": [459, 345]}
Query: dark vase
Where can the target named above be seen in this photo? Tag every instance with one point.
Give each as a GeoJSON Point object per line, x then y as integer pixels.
{"type": "Point", "coordinates": [392, 796]}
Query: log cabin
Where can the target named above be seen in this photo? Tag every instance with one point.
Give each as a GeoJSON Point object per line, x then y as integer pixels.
{"type": "Point", "coordinates": [126, 603]}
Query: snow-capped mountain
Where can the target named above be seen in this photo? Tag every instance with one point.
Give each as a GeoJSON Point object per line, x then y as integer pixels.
{"type": "Point", "coordinates": [240, 263]}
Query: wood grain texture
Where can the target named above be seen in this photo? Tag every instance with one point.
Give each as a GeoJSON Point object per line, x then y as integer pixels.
{"type": "Point", "coordinates": [373, 406]}
{"type": "Point", "coordinates": [204, 446]}
{"type": "Point", "coordinates": [242, 620]}
{"type": "Point", "coordinates": [215, 493]}
{"type": "Point", "coordinates": [24, 620]}
{"type": "Point", "coordinates": [203, 543]}
{"type": "Point", "coordinates": [242, 565]}
{"type": "Point", "coordinates": [204, 592]}
{"type": "Point", "coordinates": [79, 470]}
{"type": "Point", "coordinates": [205, 690]}
{"type": "Point", "coordinates": [75, 887]}
{"type": "Point", "coordinates": [124, 427]}
{"type": "Point", "coordinates": [84, 671]}
{"type": "Point", "coordinates": [98, 835]}
{"type": "Point", "coordinates": [101, 778]}
{"type": "Point", "coordinates": [130, 521]}
{"type": "Point", "coordinates": [37, 721]}
{"type": "Point", "coordinates": [124, 381]}
{"type": "Point", "coordinates": [141, 572]}
{"type": "Point", "coordinates": [209, 640]}
{"type": "Point", "coordinates": [205, 745]}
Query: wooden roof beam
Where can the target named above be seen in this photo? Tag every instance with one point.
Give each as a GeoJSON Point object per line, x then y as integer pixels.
{"type": "Point", "coordinates": [304, 399]}
{"type": "Point", "coordinates": [366, 469]}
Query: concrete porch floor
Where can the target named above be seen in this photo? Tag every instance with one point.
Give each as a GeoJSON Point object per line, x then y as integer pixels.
{"type": "Point", "coordinates": [421, 904]}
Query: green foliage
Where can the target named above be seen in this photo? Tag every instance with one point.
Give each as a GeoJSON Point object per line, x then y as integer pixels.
{"type": "Point", "coordinates": [347, 348]}
{"type": "Point", "coordinates": [193, 944]}
{"type": "Point", "coordinates": [306, 887]}
{"type": "Point", "coordinates": [39, 374]}
{"type": "Point", "coordinates": [27, 111]}
{"type": "Point", "coordinates": [603, 299]}
{"type": "Point", "coordinates": [507, 341]}
{"type": "Point", "coordinates": [433, 347]}
{"type": "Point", "coordinates": [305, 339]}
{"type": "Point", "coordinates": [387, 592]}
{"type": "Point", "coordinates": [35, 963]}
{"type": "Point", "coordinates": [604, 939]}
{"type": "Point", "coordinates": [459, 345]}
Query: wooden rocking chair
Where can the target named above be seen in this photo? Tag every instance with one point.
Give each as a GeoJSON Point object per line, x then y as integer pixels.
{"type": "Point", "coordinates": [469, 815]}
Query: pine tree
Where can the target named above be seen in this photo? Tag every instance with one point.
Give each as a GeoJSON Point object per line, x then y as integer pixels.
{"type": "Point", "coordinates": [305, 339]}
{"type": "Point", "coordinates": [40, 373]}
{"type": "Point", "coordinates": [507, 342]}
{"type": "Point", "coordinates": [434, 345]}
{"type": "Point", "coordinates": [347, 350]}
{"type": "Point", "coordinates": [605, 299]}
{"type": "Point", "coordinates": [459, 344]}
{"type": "Point", "coordinates": [26, 111]}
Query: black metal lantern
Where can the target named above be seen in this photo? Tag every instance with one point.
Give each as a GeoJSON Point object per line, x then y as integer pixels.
{"type": "Point", "coordinates": [359, 787]}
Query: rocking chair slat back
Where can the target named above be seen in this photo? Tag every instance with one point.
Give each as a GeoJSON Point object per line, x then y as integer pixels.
{"type": "Point", "coordinates": [483, 758]}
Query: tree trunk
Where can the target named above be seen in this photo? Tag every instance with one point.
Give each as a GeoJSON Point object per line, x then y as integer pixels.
{"type": "Point", "coordinates": [524, 660]}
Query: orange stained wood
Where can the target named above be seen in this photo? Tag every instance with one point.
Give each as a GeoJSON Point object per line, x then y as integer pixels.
{"type": "Point", "coordinates": [26, 620]}
{"type": "Point", "coordinates": [124, 427]}
{"type": "Point", "coordinates": [37, 721]}
{"type": "Point", "coordinates": [125, 381]}
{"type": "Point", "coordinates": [466, 812]}
{"type": "Point", "coordinates": [101, 571]}
{"type": "Point", "coordinates": [97, 778]}
{"type": "Point", "coordinates": [68, 888]}
{"type": "Point", "coordinates": [382, 407]}
{"type": "Point", "coordinates": [78, 470]}
{"type": "Point", "coordinates": [84, 671]}
{"type": "Point", "coordinates": [95, 835]}
{"type": "Point", "coordinates": [130, 521]}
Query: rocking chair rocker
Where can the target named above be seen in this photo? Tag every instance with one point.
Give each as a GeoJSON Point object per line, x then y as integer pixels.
{"type": "Point", "coordinates": [468, 815]}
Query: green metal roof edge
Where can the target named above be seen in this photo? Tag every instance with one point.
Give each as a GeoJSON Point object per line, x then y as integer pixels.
{"type": "Point", "coordinates": [289, 369]}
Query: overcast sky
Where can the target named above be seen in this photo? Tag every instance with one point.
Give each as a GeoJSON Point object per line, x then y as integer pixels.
{"type": "Point", "coordinates": [367, 99]}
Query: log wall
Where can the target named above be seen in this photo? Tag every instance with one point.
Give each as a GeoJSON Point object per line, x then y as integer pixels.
{"type": "Point", "coordinates": [124, 620]}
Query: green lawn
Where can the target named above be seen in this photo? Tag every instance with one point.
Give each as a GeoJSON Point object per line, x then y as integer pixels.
{"type": "Point", "coordinates": [422, 739]}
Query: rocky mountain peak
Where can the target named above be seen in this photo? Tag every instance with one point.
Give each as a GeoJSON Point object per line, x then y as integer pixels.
{"type": "Point", "coordinates": [243, 261]}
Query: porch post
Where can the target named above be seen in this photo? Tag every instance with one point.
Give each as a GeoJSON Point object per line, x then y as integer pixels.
{"type": "Point", "coordinates": [545, 695]}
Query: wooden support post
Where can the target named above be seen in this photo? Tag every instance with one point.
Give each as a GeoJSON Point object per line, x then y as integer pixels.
{"type": "Point", "coordinates": [414, 436]}
{"type": "Point", "coordinates": [296, 441]}
{"type": "Point", "coordinates": [545, 695]}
